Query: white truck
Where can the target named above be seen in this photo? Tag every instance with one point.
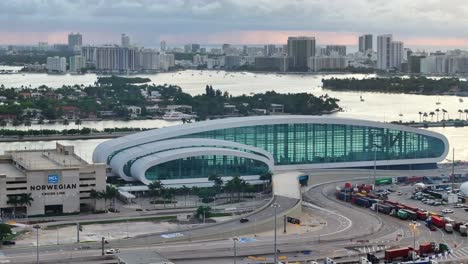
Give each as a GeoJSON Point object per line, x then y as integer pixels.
{"type": "Point", "coordinates": [449, 228]}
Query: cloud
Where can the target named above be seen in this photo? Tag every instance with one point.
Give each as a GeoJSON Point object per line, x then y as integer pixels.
{"type": "Point", "coordinates": [212, 20]}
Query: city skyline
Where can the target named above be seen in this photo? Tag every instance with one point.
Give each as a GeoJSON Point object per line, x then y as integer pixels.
{"type": "Point", "coordinates": [418, 24]}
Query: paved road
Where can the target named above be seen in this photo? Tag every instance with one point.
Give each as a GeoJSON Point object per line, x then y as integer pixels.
{"type": "Point", "coordinates": [344, 222]}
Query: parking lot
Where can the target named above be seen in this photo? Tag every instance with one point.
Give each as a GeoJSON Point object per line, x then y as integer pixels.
{"type": "Point", "coordinates": [403, 195]}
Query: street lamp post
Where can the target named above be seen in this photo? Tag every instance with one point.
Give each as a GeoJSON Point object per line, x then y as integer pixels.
{"type": "Point", "coordinates": [414, 225]}
{"type": "Point", "coordinates": [235, 239]}
{"type": "Point", "coordinates": [37, 227]}
{"type": "Point", "coordinates": [275, 206]}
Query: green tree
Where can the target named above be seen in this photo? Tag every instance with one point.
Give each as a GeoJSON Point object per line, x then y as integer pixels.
{"type": "Point", "coordinates": [203, 211]}
{"type": "Point", "coordinates": [95, 195]}
{"type": "Point", "coordinates": [14, 200]}
{"type": "Point", "coordinates": [5, 232]}
{"type": "Point", "coordinates": [185, 192]}
{"type": "Point", "coordinates": [155, 189]}
{"type": "Point", "coordinates": [236, 185]}
{"type": "Point", "coordinates": [267, 179]}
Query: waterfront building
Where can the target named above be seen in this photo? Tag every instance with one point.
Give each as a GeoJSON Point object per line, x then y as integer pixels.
{"type": "Point", "coordinates": [147, 60]}
{"type": "Point", "coordinates": [326, 63]}
{"type": "Point", "coordinates": [365, 43]}
{"type": "Point", "coordinates": [280, 63]}
{"type": "Point", "coordinates": [75, 41]}
{"type": "Point", "coordinates": [414, 63]}
{"type": "Point", "coordinates": [163, 45]}
{"type": "Point", "coordinates": [167, 61]}
{"type": "Point", "coordinates": [339, 50]}
{"type": "Point", "coordinates": [300, 49]}
{"type": "Point", "coordinates": [232, 61]}
{"type": "Point", "coordinates": [115, 58]}
{"type": "Point", "coordinates": [384, 52]}
{"type": "Point", "coordinates": [57, 180]}
{"type": "Point", "coordinates": [250, 146]}
{"type": "Point", "coordinates": [56, 64]}
{"type": "Point", "coordinates": [396, 54]}
{"type": "Point", "coordinates": [77, 63]}
{"type": "Point", "coordinates": [125, 40]}
{"type": "Point", "coordinates": [269, 50]}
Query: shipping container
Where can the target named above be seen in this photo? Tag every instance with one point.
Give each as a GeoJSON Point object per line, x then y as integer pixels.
{"type": "Point", "coordinates": [402, 214]}
{"type": "Point", "coordinates": [402, 179]}
{"type": "Point", "coordinates": [448, 228]}
{"type": "Point", "coordinates": [421, 215]}
{"type": "Point", "coordinates": [463, 230]}
{"type": "Point", "coordinates": [426, 248]}
{"type": "Point", "coordinates": [438, 221]}
{"type": "Point", "coordinates": [382, 208]}
{"type": "Point", "coordinates": [414, 209]}
{"type": "Point", "coordinates": [399, 253]}
{"type": "Point", "coordinates": [383, 181]}
{"type": "Point", "coordinates": [411, 215]}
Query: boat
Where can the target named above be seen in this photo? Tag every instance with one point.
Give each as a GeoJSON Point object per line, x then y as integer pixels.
{"type": "Point", "coordinates": [460, 100]}
{"type": "Point", "coordinates": [362, 99]}
{"type": "Point", "coordinates": [174, 115]}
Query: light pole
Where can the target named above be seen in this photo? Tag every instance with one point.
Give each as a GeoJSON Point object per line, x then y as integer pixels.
{"type": "Point", "coordinates": [37, 227]}
{"type": "Point", "coordinates": [275, 206]}
{"type": "Point", "coordinates": [413, 226]}
{"type": "Point", "coordinates": [235, 239]}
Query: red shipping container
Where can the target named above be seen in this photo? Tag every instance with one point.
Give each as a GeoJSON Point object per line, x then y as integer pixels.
{"type": "Point", "coordinates": [421, 215]}
{"type": "Point", "coordinates": [438, 221]}
{"type": "Point", "coordinates": [425, 248]}
{"type": "Point", "coordinates": [392, 254]}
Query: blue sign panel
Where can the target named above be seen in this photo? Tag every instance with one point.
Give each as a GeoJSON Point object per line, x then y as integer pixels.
{"type": "Point", "coordinates": [53, 179]}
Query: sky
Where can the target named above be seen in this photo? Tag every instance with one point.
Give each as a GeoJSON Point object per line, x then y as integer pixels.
{"type": "Point", "coordinates": [431, 24]}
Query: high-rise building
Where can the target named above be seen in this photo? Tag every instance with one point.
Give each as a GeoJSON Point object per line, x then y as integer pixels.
{"type": "Point", "coordinates": [280, 63]}
{"type": "Point", "coordinates": [396, 54]}
{"type": "Point", "coordinates": [339, 50]}
{"type": "Point", "coordinates": [114, 58]}
{"type": "Point", "coordinates": [269, 50]}
{"type": "Point", "coordinates": [75, 40]}
{"type": "Point", "coordinates": [232, 61]}
{"type": "Point", "coordinates": [321, 63]}
{"type": "Point", "coordinates": [414, 63]}
{"type": "Point", "coordinates": [77, 63]}
{"type": "Point", "coordinates": [365, 42]}
{"type": "Point", "coordinates": [56, 64]}
{"type": "Point", "coordinates": [125, 40]}
{"type": "Point", "coordinates": [163, 46]}
{"type": "Point", "coordinates": [300, 49]}
{"type": "Point", "coordinates": [384, 51]}
{"type": "Point", "coordinates": [226, 48]}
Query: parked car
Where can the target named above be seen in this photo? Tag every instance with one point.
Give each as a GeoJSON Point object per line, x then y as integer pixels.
{"type": "Point", "coordinates": [8, 243]}
{"type": "Point", "coordinates": [399, 193]}
{"type": "Point", "coordinates": [447, 211]}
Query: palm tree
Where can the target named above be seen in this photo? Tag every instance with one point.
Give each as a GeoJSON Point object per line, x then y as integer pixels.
{"type": "Point", "coordinates": [185, 191]}
{"type": "Point", "coordinates": [432, 115]}
{"type": "Point", "coordinates": [155, 189]}
{"type": "Point", "coordinates": [95, 195]}
{"type": "Point", "coordinates": [111, 193]}
{"type": "Point", "coordinates": [425, 116]}
{"type": "Point", "coordinates": [437, 111]}
{"type": "Point", "coordinates": [266, 177]}
{"type": "Point", "coordinates": [26, 199]}
{"type": "Point", "coordinates": [236, 184]}
{"type": "Point", "coordinates": [466, 114]}
{"type": "Point", "coordinates": [420, 117]}
{"type": "Point", "coordinates": [443, 114]}
{"type": "Point", "coordinates": [460, 112]}
{"type": "Point", "coordinates": [78, 123]}
{"type": "Point", "coordinates": [217, 184]}
{"type": "Point", "coordinates": [15, 201]}
{"type": "Point", "coordinates": [167, 194]}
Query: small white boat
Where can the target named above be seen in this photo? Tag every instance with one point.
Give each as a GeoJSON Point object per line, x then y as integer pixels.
{"type": "Point", "coordinates": [174, 115]}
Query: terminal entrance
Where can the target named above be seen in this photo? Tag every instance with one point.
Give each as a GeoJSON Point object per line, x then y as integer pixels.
{"type": "Point", "coordinates": [53, 209]}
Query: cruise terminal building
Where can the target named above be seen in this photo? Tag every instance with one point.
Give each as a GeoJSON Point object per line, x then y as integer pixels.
{"type": "Point", "coordinates": [187, 154]}
{"type": "Point", "coordinates": [57, 180]}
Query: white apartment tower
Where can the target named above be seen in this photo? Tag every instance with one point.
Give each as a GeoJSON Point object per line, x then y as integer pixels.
{"type": "Point", "coordinates": [384, 43]}
{"type": "Point", "coordinates": [396, 52]}
{"type": "Point", "coordinates": [125, 40]}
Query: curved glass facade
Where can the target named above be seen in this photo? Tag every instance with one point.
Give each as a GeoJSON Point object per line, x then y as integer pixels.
{"type": "Point", "coordinates": [328, 143]}
{"type": "Point", "coordinates": [203, 166]}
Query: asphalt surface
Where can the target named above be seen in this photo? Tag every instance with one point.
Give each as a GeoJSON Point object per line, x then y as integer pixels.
{"type": "Point", "coordinates": [347, 230]}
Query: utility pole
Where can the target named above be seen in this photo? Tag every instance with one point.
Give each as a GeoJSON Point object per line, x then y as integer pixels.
{"type": "Point", "coordinates": [235, 239]}
{"type": "Point", "coordinates": [453, 169]}
{"type": "Point", "coordinates": [275, 206]}
{"type": "Point", "coordinates": [77, 232]}
{"type": "Point", "coordinates": [102, 245]}
{"type": "Point", "coordinates": [37, 227]}
{"type": "Point", "coordinates": [284, 223]}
